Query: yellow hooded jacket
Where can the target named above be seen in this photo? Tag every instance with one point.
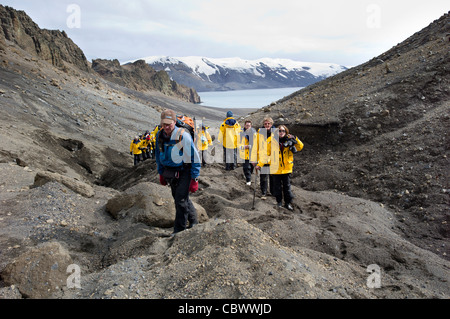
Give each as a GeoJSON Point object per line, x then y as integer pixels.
{"type": "Point", "coordinates": [263, 143]}
{"type": "Point", "coordinates": [153, 137]}
{"type": "Point", "coordinates": [154, 133]}
{"type": "Point", "coordinates": [135, 147]}
{"type": "Point", "coordinates": [229, 132]}
{"type": "Point", "coordinates": [145, 143]}
{"type": "Point", "coordinates": [203, 140]}
{"type": "Point", "coordinates": [251, 152]}
{"type": "Point", "coordinates": [281, 159]}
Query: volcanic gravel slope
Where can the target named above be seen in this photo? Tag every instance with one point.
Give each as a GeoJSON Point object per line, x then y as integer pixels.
{"type": "Point", "coordinates": [371, 188]}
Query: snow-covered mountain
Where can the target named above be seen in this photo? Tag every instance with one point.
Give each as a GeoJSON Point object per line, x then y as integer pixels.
{"type": "Point", "coordinates": [211, 74]}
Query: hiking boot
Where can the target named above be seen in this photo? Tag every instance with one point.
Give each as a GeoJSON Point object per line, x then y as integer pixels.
{"type": "Point", "coordinates": [289, 207]}
{"type": "Point", "coordinates": [192, 225]}
{"type": "Point", "coordinates": [279, 205]}
{"type": "Point", "coordinates": [249, 183]}
{"type": "Point", "coordinates": [263, 196]}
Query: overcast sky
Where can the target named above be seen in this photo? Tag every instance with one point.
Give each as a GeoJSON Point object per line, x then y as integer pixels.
{"type": "Point", "coordinates": [347, 32]}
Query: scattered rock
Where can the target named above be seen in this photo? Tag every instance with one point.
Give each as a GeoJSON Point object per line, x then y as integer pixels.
{"type": "Point", "coordinates": [55, 82]}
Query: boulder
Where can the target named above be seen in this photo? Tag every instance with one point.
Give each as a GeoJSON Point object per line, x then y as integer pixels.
{"type": "Point", "coordinates": [10, 292]}
{"type": "Point", "coordinates": [39, 272]}
{"type": "Point", "coordinates": [150, 204]}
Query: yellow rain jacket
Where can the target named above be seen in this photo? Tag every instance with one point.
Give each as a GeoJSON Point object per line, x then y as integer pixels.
{"type": "Point", "coordinates": [145, 143]}
{"type": "Point", "coordinates": [251, 152]}
{"type": "Point", "coordinates": [152, 141]}
{"type": "Point", "coordinates": [281, 158]}
{"type": "Point", "coordinates": [263, 143]}
{"type": "Point", "coordinates": [229, 132]}
{"type": "Point", "coordinates": [155, 131]}
{"type": "Point", "coordinates": [135, 147]}
{"type": "Point", "coordinates": [153, 137]}
{"type": "Point", "coordinates": [203, 140]}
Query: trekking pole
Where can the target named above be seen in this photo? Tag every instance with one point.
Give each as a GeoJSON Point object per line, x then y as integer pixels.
{"type": "Point", "coordinates": [254, 189]}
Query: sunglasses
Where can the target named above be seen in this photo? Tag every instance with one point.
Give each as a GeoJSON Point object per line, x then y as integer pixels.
{"type": "Point", "coordinates": [282, 131]}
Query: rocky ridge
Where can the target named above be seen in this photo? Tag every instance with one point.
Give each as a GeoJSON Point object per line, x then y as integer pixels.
{"type": "Point", "coordinates": [52, 46]}
{"type": "Point", "coordinates": [140, 76]}
{"type": "Point", "coordinates": [56, 48]}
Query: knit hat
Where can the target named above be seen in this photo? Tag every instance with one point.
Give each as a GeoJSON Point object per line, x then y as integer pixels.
{"type": "Point", "coordinates": [229, 114]}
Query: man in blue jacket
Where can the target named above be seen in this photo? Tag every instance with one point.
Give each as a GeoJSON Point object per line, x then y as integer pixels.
{"type": "Point", "coordinates": [178, 164]}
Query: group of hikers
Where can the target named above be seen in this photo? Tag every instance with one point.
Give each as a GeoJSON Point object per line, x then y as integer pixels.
{"type": "Point", "coordinates": [142, 147]}
{"type": "Point", "coordinates": [180, 151]}
{"type": "Point", "coordinates": [270, 151]}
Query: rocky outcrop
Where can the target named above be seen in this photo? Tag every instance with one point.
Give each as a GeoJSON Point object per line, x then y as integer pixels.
{"type": "Point", "coordinates": [2, 42]}
{"type": "Point", "coordinates": [77, 186]}
{"type": "Point", "coordinates": [50, 45]}
{"type": "Point", "coordinates": [140, 76]}
{"type": "Point", "coordinates": [57, 48]}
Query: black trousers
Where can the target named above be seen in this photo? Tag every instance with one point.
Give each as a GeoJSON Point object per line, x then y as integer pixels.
{"type": "Point", "coordinates": [137, 158]}
{"type": "Point", "coordinates": [230, 158]}
{"type": "Point", "coordinates": [204, 156]}
{"type": "Point", "coordinates": [185, 210]}
{"type": "Point", "coordinates": [282, 188]}
{"type": "Point", "coordinates": [248, 170]}
{"type": "Point", "coordinates": [266, 180]}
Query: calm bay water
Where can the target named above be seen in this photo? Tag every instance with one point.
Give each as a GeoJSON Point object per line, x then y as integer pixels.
{"type": "Point", "coordinates": [244, 98]}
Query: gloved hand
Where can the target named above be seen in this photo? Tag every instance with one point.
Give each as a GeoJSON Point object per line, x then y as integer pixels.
{"type": "Point", "coordinates": [193, 187]}
{"type": "Point", "coordinates": [162, 180]}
